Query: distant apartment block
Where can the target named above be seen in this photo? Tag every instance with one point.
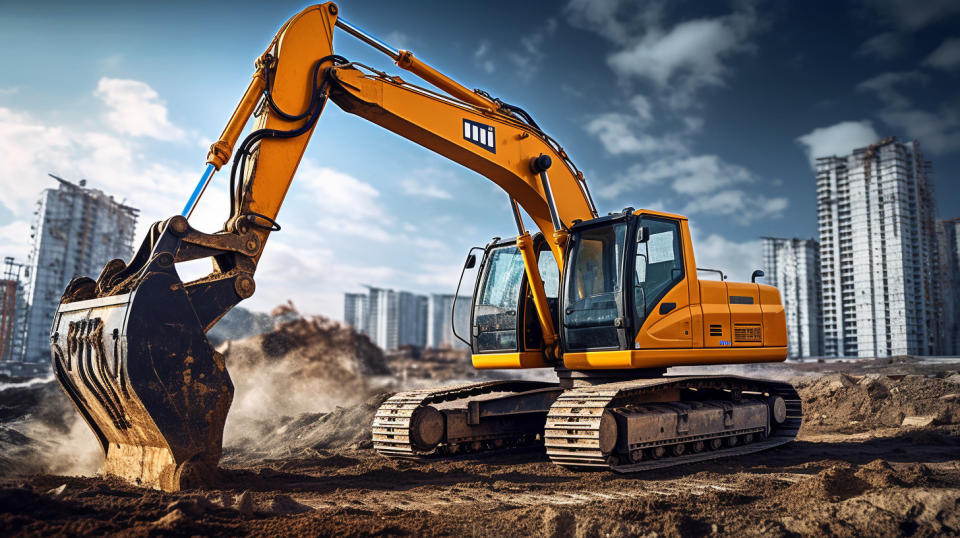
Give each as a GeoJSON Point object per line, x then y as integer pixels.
{"type": "Point", "coordinates": [441, 323]}
{"type": "Point", "coordinates": [878, 252]}
{"type": "Point", "coordinates": [949, 241]}
{"type": "Point", "coordinates": [793, 267]}
{"type": "Point", "coordinates": [13, 312]}
{"type": "Point", "coordinates": [76, 231]}
{"type": "Point", "coordinates": [393, 319]}
{"type": "Point", "coordinates": [355, 310]}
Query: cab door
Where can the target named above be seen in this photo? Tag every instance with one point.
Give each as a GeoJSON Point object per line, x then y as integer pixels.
{"type": "Point", "coordinates": [661, 300]}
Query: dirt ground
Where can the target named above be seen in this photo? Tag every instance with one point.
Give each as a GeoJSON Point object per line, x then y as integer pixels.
{"type": "Point", "coordinates": [878, 455]}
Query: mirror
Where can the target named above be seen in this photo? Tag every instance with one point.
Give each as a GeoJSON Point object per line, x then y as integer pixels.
{"type": "Point", "coordinates": [471, 261]}
{"type": "Point", "coordinates": [643, 234]}
{"type": "Point", "coordinates": [756, 274]}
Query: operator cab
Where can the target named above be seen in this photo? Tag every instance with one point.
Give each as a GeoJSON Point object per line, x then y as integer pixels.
{"type": "Point", "coordinates": [618, 269]}
{"type": "Point", "coordinates": [504, 318]}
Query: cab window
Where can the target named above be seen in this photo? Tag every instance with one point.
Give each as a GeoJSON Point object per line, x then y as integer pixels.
{"type": "Point", "coordinates": [592, 289]}
{"type": "Point", "coordinates": [495, 311]}
{"type": "Point", "coordinates": [658, 265]}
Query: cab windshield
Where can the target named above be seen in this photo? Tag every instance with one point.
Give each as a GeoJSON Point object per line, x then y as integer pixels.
{"type": "Point", "coordinates": [593, 288]}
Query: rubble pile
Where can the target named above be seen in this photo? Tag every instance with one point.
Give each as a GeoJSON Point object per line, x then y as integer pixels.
{"type": "Point", "coordinates": [305, 366]}
{"type": "Point", "coordinates": [844, 403]}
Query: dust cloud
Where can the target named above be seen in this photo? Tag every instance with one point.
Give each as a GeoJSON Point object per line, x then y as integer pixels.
{"type": "Point", "coordinates": [301, 371]}
{"type": "Point", "coordinates": [40, 432]}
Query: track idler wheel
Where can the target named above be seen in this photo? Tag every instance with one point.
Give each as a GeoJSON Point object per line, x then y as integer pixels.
{"type": "Point", "coordinates": [607, 437]}
{"type": "Point", "coordinates": [427, 428]}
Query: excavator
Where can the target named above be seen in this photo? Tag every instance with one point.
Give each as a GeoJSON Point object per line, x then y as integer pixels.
{"type": "Point", "coordinates": [609, 302]}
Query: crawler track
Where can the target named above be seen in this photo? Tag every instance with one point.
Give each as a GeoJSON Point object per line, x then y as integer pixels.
{"type": "Point", "coordinates": [392, 425]}
{"type": "Point", "coordinates": [573, 427]}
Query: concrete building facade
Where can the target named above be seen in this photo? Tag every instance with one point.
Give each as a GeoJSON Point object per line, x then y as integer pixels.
{"type": "Point", "coordinates": [793, 267]}
{"type": "Point", "coordinates": [879, 259]}
{"type": "Point", "coordinates": [355, 310]}
{"type": "Point", "coordinates": [13, 313]}
{"type": "Point", "coordinates": [394, 319]}
{"type": "Point", "coordinates": [949, 241]}
{"type": "Point", "coordinates": [76, 231]}
{"type": "Point", "coordinates": [440, 329]}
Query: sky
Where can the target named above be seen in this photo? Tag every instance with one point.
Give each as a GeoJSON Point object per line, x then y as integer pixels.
{"type": "Point", "coordinates": [714, 110]}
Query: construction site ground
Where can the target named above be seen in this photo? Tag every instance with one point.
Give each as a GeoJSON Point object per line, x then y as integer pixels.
{"type": "Point", "coordinates": [878, 454]}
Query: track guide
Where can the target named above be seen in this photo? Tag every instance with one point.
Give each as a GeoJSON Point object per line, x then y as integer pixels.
{"type": "Point", "coordinates": [572, 434]}
{"type": "Point", "coordinates": [392, 436]}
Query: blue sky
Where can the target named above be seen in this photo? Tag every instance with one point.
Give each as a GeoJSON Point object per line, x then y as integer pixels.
{"type": "Point", "coordinates": [707, 109]}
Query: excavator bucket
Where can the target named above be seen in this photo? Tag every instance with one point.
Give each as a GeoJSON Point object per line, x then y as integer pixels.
{"type": "Point", "coordinates": [131, 352]}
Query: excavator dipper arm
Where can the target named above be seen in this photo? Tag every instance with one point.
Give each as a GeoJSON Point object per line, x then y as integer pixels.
{"type": "Point", "coordinates": [130, 348]}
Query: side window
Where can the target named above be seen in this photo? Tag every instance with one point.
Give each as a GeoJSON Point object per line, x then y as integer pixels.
{"type": "Point", "coordinates": [495, 309]}
{"type": "Point", "coordinates": [549, 273]}
{"type": "Point", "coordinates": [658, 265]}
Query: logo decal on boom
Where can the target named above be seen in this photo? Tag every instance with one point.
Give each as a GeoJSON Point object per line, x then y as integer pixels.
{"type": "Point", "coordinates": [480, 134]}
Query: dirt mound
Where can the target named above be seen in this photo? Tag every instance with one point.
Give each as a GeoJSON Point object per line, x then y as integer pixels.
{"type": "Point", "coordinates": [833, 483]}
{"type": "Point", "coordinates": [304, 435]}
{"type": "Point", "coordinates": [850, 404]}
{"type": "Point", "coordinates": [304, 366]}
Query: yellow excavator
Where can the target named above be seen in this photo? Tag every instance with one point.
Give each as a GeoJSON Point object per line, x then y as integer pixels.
{"type": "Point", "coordinates": [608, 302]}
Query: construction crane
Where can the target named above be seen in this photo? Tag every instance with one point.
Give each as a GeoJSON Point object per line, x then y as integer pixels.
{"type": "Point", "coordinates": [608, 302]}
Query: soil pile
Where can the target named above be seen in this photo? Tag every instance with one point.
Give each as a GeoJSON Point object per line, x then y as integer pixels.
{"type": "Point", "coordinates": [306, 365]}
{"type": "Point", "coordinates": [850, 404]}
{"type": "Point", "coordinates": [308, 434]}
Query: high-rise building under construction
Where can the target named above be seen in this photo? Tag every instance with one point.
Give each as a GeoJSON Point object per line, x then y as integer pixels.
{"type": "Point", "coordinates": [793, 267]}
{"type": "Point", "coordinates": [878, 251]}
{"type": "Point", "coordinates": [76, 231]}
{"type": "Point", "coordinates": [13, 313]}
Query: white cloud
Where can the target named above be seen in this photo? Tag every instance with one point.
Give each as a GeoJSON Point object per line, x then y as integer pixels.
{"type": "Point", "coordinates": [418, 189]}
{"type": "Point", "coordinates": [30, 148]}
{"type": "Point", "coordinates": [912, 16]}
{"type": "Point", "coordinates": [946, 56]}
{"type": "Point", "coordinates": [737, 260]}
{"type": "Point", "coordinates": [703, 184]}
{"type": "Point", "coordinates": [690, 175]}
{"type": "Point", "coordinates": [641, 105]}
{"type": "Point", "coordinates": [134, 108]}
{"type": "Point", "coordinates": [528, 57]}
{"type": "Point", "coordinates": [695, 48]}
{"type": "Point", "coordinates": [482, 59]}
{"type": "Point", "coordinates": [398, 40]}
{"type": "Point", "coordinates": [741, 206]}
{"type": "Point", "coordinates": [679, 59]}
{"type": "Point", "coordinates": [15, 240]}
{"type": "Point", "coordinates": [885, 86]}
{"type": "Point", "coordinates": [838, 139]}
{"type": "Point", "coordinates": [885, 46]}
{"type": "Point", "coordinates": [344, 203]}
{"type": "Point", "coordinates": [617, 133]}
{"type": "Point", "coordinates": [613, 19]}
{"type": "Point", "coordinates": [938, 131]}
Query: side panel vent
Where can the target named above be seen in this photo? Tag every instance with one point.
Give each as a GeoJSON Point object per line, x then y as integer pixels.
{"type": "Point", "coordinates": [743, 332]}
{"type": "Point", "coordinates": [716, 330]}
